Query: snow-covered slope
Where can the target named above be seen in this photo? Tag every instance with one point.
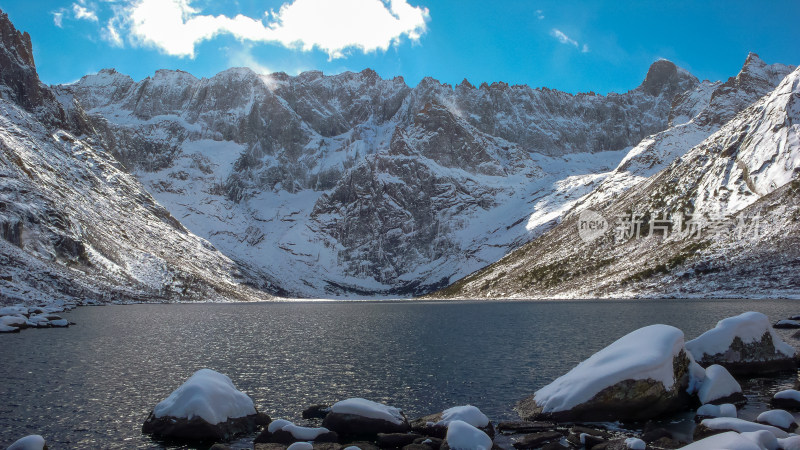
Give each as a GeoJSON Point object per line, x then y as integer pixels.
{"type": "Point", "coordinates": [696, 114]}
{"type": "Point", "coordinates": [352, 185]}
{"type": "Point", "coordinates": [721, 220]}
{"type": "Point", "coordinates": [74, 224]}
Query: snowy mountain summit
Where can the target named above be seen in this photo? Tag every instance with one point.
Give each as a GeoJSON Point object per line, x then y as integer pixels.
{"type": "Point", "coordinates": [352, 185]}
{"type": "Point", "coordinates": [347, 185]}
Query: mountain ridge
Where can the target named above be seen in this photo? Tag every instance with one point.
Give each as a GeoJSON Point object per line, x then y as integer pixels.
{"type": "Point", "coordinates": [386, 185]}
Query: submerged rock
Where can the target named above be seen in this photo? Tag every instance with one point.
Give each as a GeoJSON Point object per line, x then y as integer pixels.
{"type": "Point", "coordinates": [643, 375]}
{"type": "Point", "coordinates": [536, 440]}
{"type": "Point", "coordinates": [360, 417]}
{"type": "Point", "coordinates": [745, 344]}
{"type": "Point", "coordinates": [206, 407]}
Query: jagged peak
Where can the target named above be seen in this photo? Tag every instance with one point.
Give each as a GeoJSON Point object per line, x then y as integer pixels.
{"type": "Point", "coordinates": [753, 60]}
{"type": "Point", "coordinates": [664, 75]}
{"type": "Point", "coordinates": [15, 42]}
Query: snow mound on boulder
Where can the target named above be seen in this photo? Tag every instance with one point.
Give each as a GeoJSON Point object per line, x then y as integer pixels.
{"type": "Point", "coordinates": [777, 418]}
{"type": "Point", "coordinates": [724, 410]}
{"type": "Point", "coordinates": [300, 446]}
{"type": "Point", "coordinates": [749, 327]}
{"type": "Point", "coordinates": [788, 394]}
{"type": "Point", "coordinates": [463, 436]}
{"type": "Point", "coordinates": [367, 408]}
{"type": "Point", "coordinates": [468, 413]}
{"type": "Point", "coordinates": [646, 353]}
{"type": "Point", "coordinates": [635, 444]}
{"type": "Point", "coordinates": [719, 383]}
{"type": "Point", "coordinates": [730, 440]}
{"type": "Point", "coordinates": [209, 395]}
{"type": "Point", "coordinates": [32, 442]}
{"type": "Point", "coordinates": [741, 426]}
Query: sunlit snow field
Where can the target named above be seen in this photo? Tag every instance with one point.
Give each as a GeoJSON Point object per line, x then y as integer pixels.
{"type": "Point", "coordinates": [93, 384]}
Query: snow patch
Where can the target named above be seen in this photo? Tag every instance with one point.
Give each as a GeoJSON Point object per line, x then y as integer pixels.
{"type": "Point", "coordinates": [370, 409]}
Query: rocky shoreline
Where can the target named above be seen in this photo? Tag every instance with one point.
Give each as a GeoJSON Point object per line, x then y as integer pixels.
{"type": "Point", "coordinates": [626, 396]}
{"type": "Point", "coordinates": [19, 317]}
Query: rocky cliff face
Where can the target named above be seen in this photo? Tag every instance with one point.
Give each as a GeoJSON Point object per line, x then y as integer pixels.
{"type": "Point", "coordinates": [353, 185]}
{"type": "Point", "coordinates": [74, 225]}
{"type": "Point", "coordinates": [723, 219]}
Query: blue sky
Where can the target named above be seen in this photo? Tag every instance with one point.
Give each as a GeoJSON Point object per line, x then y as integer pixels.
{"type": "Point", "coordinates": [571, 46]}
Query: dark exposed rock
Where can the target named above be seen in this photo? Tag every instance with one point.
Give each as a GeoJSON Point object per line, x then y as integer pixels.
{"type": "Point", "coordinates": [416, 447]}
{"type": "Point", "coordinates": [285, 437]}
{"type": "Point", "coordinates": [197, 429]}
{"type": "Point", "coordinates": [396, 440]}
{"type": "Point", "coordinates": [430, 442]}
{"type": "Point", "coordinates": [351, 425]}
{"type": "Point", "coordinates": [536, 440]}
{"type": "Point", "coordinates": [316, 411]}
{"type": "Point", "coordinates": [524, 426]}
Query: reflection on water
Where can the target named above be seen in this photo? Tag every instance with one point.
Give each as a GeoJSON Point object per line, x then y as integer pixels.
{"type": "Point", "coordinates": [92, 385]}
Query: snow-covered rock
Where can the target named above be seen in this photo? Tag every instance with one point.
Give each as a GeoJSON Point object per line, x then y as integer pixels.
{"type": "Point", "coordinates": [436, 424]}
{"type": "Point", "coordinates": [711, 410]}
{"type": "Point", "coordinates": [718, 425]}
{"type": "Point", "coordinates": [300, 446]}
{"type": "Point", "coordinates": [743, 344]}
{"type": "Point", "coordinates": [644, 374]}
{"type": "Point", "coordinates": [790, 443]}
{"type": "Point", "coordinates": [285, 432]}
{"type": "Point", "coordinates": [787, 399]}
{"type": "Point", "coordinates": [729, 440]}
{"type": "Point", "coordinates": [778, 418]}
{"type": "Point", "coordinates": [361, 417]}
{"type": "Point", "coordinates": [32, 442]}
{"type": "Point", "coordinates": [720, 387]}
{"type": "Point", "coordinates": [463, 436]}
{"type": "Point", "coordinates": [206, 406]}
{"type": "Point", "coordinates": [635, 444]}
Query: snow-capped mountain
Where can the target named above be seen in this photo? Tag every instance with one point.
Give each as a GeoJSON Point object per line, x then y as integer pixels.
{"type": "Point", "coordinates": [352, 185]}
{"type": "Point", "coordinates": [723, 219]}
{"type": "Point", "coordinates": [75, 225]}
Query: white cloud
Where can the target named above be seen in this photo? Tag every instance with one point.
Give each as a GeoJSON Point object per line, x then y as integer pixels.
{"type": "Point", "coordinates": [83, 13]}
{"type": "Point", "coordinates": [539, 14]}
{"type": "Point", "coordinates": [58, 19]}
{"type": "Point", "coordinates": [564, 39]}
{"type": "Point", "coordinates": [333, 26]}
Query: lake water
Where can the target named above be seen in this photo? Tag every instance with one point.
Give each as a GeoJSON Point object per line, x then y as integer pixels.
{"type": "Point", "coordinates": [92, 385]}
